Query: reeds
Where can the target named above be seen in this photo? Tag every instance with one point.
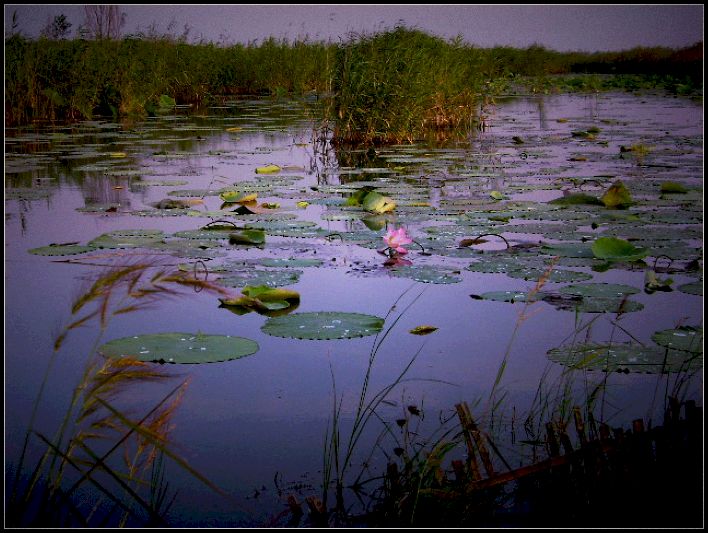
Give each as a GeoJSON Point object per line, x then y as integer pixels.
{"type": "Point", "coordinates": [99, 423]}
{"type": "Point", "coordinates": [396, 85]}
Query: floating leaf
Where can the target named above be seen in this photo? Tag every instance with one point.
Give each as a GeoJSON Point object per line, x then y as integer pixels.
{"type": "Point", "coordinates": [62, 249]}
{"type": "Point", "coordinates": [599, 290]}
{"type": "Point", "coordinates": [617, 196]}
{"type": "Point", "coordinates": [577, 199]}
{"type": "Point", "coordinates": [271, 278]}
{"type": "Point", "coordinates": [496, 195]}
{"type": "Point", "coordinates": [426, 274]}
{"type": "Point", "coordinates": [614, 249]}
{"type": "Point", "coordinates": [238, 197]}
{"type": "Point", "coordinates": [577, 250]}
{"type": "Point", "coordinates": [247, 236]}
{"type": "Point", "coordinates": [622, 357]}
{"type": "Point", "coordinates": [695, 287]}
{"type": "Point", "coordinates": [502, 296]}
{"type": "Point", "coordinates": [671, 187]}
{"type": "Point", "coordinates": [323, 326]}
{"type": "Point", "coordinates": [685, 338]}
{"type": "Point", "coordinates": [377, 203]}
{"type": "Point", "coordinates": [302, 204]}
{"type": "Point", "coordinates": [182, 348]}
{"type": "Point", "coordinates": [270, 294]}
{"type": "Point", "coordinates": [423, 330]}
{"type": "Point", "coordinates": [264, 300]}
{"type": "Point", "coordinates": [588, 304]}
{"type": "Point", "coordinates": [268, 169]}
{"type": "Point", "coordinates": [288, 263]}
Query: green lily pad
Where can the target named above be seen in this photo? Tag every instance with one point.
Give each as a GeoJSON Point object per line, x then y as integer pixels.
{"type": "Point", "coordinates": [323, 326]}
{"type": "Point", "coordinates": [289, 263]}
{"type": "Point", "coordinates": [247, 236]}
{"type": "Point", "coordinates": [271, 278]}
{"type": "Point", "coordinates": [577, 199]}
{"type": "Point", "coordinates": [127, 239]}
{"type": "Point", "coordinates": [695, 287]}
{"type": "Point", "coordinates": [238, 197]}
{"type": "Point", "coordinates": [588, 304]}
{"type": "Point", "coordinates": [579, 250]}
{"type": "Point", "coordinates": [62, 249]}
{"type": "Point", "coordinates": [502, 296]}
{"type": "Point", "coordinates": [180, 348]}
{"type": "Point", "coordinates": [614, 249]}
{"type": "Point", "coordinates": [617, 196]}
{"type": "Point", "coordinates": [377, 203]}
{"type": "Point", "coordinates": [671, 187]}
{"type": "Point", "coordinates": [599, 290]}
{"type": "Point", "coordinates": [556, 275]}
{"type": "Point", "coordinates": [625, 358]}
{"type": "Point", "coordinates": [426, 274]}
{"type": "Point", "coordinates": [685, 338]}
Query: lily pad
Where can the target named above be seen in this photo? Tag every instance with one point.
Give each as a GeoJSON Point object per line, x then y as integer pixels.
{"type": "Point", "coordinates": [289, 263]}
{"type": "Point", "coordinates": [617, 196]}
{"type": "Point", "coordinates": [323, 325]}
{"type": "Point", "coordinates": [588, 304]}
{"type": "Point", "coordinates": [685, 338]}
{"type": "Point", "coordinates": [599, 290]}
{"type": "Point", "coordinates": [671, 187]}
{"type": "Point", "coordinates": [502, 296]}
{"type": "Point", "coordinates": [695, 287]}
{"type": "Point", "coordinates": [625, 358]}
{"type": "Point", "coordinates": [62, 249]}
{"type": "Point", "coordinates": [426, 274]}
{"type": "Point", "coordinates": [247, 236]}
{"type": "Point", "coordinates": [180, 348]}
{"type": "Point", "coordinates": [377, 203]}
{"type": "Point", "coordinates": [238, 197]}
{"type": "Point", "coordinates": [614, 249]}
{"type": "Point", "coordinates": [271, 278]}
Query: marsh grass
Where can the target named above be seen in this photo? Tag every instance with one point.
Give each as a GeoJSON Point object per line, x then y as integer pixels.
{"type": "Point", "coordinates": [453, 474]}
{"type": "Point", "coordinates": [101, 442]}
{"type": "Point", "coordinates": [401, 85]}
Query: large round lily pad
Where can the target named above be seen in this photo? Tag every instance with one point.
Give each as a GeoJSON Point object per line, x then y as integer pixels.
{"type": "Point", "coordinates": [323, 326]}
{"type": "Point", "coordinates": [686, 338]}
{"type": "Point", "coordinates": [625, 358]}
{"type": "Point", "coordinates": [180, 348]}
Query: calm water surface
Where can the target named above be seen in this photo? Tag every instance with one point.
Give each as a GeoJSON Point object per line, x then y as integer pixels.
{"type": "Point", "coordinates": [257, 424]}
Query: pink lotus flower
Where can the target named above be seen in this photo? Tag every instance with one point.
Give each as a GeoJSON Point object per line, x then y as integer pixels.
{"type": "Point", "coordinates": [395, 239]}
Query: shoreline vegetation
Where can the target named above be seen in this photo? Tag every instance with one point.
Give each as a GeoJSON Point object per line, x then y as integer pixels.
{"type": "Point", "coordinates": [394, 86]}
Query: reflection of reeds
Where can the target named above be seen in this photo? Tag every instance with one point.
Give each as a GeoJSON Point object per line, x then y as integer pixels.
{"type": "Point", "coordinates": [97, 423]}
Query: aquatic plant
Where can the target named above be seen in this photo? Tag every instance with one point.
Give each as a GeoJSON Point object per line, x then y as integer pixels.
{"type": "Point", "coordinates": [97, 423]}
{"type": "Point", "coordinates": [395, 239]}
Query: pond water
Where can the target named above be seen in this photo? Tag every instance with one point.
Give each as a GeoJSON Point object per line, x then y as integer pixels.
{"type": "Point", "coordinates": [255, 426]}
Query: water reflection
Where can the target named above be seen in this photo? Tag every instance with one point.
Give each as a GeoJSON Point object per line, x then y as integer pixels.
{"type": "Point", "coordinates": [244, 420]}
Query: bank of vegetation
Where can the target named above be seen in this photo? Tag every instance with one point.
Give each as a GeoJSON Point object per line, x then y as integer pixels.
{"type": "Point", "coordinates": [390, 86]}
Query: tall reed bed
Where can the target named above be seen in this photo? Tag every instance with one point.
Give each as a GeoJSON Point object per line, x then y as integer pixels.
{"type": "Point", "coordinates": [77, 79]}
{"type": "Point", "coordinates": [402, 84]}
{"type": "Point", "coordinates": [391, 86]}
